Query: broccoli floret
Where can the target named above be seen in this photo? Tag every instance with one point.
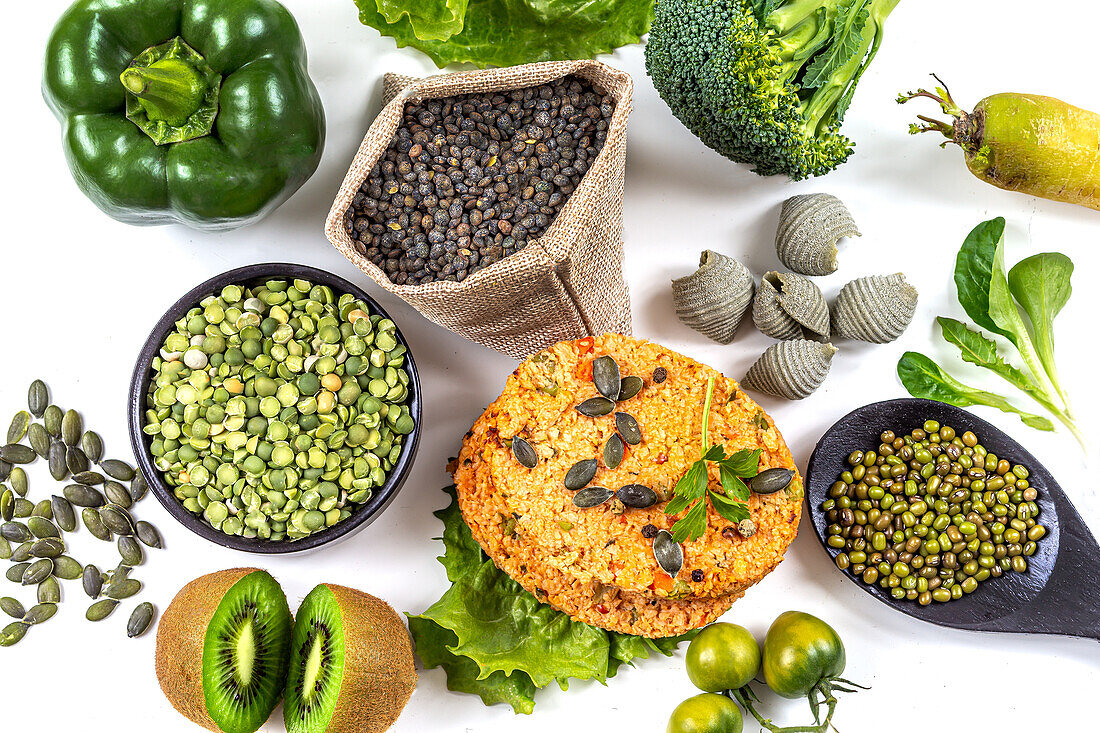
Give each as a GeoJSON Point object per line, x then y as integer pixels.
{"type": "Point", "coordinates": [765, 82]}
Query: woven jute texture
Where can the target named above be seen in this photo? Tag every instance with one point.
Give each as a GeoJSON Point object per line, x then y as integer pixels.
{"type": "Point", "coordinates": [566, 284]}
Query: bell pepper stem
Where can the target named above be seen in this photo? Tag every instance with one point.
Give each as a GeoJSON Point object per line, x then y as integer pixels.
{"type": "Point", "coordinates": [170, 89]}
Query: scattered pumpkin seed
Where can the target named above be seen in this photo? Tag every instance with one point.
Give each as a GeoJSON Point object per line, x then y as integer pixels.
{"type": "Point", "coordinates": [12, 607]}
{"type": "Point", "coordinates": [49, 591]}
{"type": "Point", "coordinates": [84, 496]}
{"type": "Point", "coordinates": [613, 451]}
{"type": "Point", "coordinates": [15, 572]}
{"type": "Point", "coordinates": [15, 531]}
{"type": "Point", "coordinates": [92, 581]}
{"type": "Point", "coordinates": [95, 524]}
{"type": "Point", "coordinates": [116, 469]}
{"type": "Point", "coordinates": [636, 496]}
{"type": "Point", "coordinates": [148, 535]}
{"type": "Point", "coordinates": [92, 445]}
{"type": "Point", "coordinates": [41, 527]}
{"type": "Point", "coordinates": [596, 407]}
{"type": "Point", "coordinates": [38, 397]}
{"type": "Point", "coordinates": [117, 494]}
{"type": "Point", "coordinates": [117, 519]}
{"type": "Point", "coordinates": [23, 508]}
{"type": "Point", "coordinates": [606, 377]}
{"type": "Point", "coordinates": [120, 573]}
{"type": "Point", "coordinates": [75, 460]}
{"type": "Point", "coordinates": [5, 549]}
{"type": "Point", "coordinates": [138, 487]}
{"type": "Point", "coordinates": [630, 387]}
{"type": "Point", "coordinates": [140, 619]}
{"type": "Point", "coordinates": [668, 553]}
{"type": "Point", "coordinates": [89, 478]}
{"type": "Point", "coordinates": [67, 568]}
{"type": "Point", "coordinates": [628, 428]}
{"type": "Point", "coordinates": [40, 613]}
{"type": "Point", "coordinates": [130, 551]}
{"type": "Point", "coordinates": [101, 609]}
{"type": "Point", "coordinates": [17, 453]}
{"type": "Point", "coordinates": [58, 468]}
{"type": "Point", "coordinates": [63, 513]}
{"type": "Point", "coordinates": [72, 427]}
{"type": "Point", "coordinates": [124, 588]}
{"type": "Point", "coordinates": [51, 419]}
{"type": "Point", "coordinates": [5, 470]}
{"type": "Point", "coordinates": [524, 453]}
{"type": "Point", "coordinates": [50, 547]}
{"type": "Point", "coordinates": [22, 553]}
{"type": "Point", "coordinates": [18, 478]}
{"type": "Point", "coordinates": [580, 474]}
{"type": "Point", "coordinates": [12, 633]}
{"type": "Point", "coordinates": [43, 509]}
{"type": "Point", "coordinates": [771, 480]}
{"type": "Point", "coordinates": [18, 427]}
{"type": "Point", "coordinates": [39, 440]}
{"type": "Point", "coordinates": [7, 505]}
{"type": "Point", "coordinates": [37, 571]}
{"type": "Point", "coordinates": [592, 496]}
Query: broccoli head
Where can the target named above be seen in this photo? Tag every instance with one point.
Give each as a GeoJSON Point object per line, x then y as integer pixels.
{"type": "Point", "coordinates": [765, 82]}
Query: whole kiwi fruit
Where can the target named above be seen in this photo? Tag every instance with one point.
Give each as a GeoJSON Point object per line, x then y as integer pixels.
{"type": "Point", "coordinates": [222, 649]}
{"type": "Point", "coordinates": [351, 664]}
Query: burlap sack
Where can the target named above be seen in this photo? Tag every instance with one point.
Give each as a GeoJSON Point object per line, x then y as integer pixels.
{"type": "Point", "coordinates": [565, 285]}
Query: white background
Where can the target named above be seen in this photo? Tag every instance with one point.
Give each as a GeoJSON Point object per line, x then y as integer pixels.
{"type": "Point", "coordinates": [79, 293]}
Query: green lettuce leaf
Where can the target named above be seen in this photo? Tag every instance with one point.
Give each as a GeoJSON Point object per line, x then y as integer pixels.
{"type": "Point", "coordinates": [509, 32]}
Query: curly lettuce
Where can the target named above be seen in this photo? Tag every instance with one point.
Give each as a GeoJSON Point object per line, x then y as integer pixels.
{"type": "Point", "coordinates": [508, 32]}
{"type": "Point", "coordinates": [495, 640]}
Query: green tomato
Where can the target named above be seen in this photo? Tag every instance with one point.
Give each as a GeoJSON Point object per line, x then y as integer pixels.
{"type": "Point", "coordinates": [722, 657]}
{"type": "Point", "coordinates": [800, 651]}
{"type": "Point", "coordinates": [706, 713]}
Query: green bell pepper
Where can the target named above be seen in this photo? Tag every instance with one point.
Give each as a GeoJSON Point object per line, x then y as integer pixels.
{"type": "Point", "coordinates": [192, 111]}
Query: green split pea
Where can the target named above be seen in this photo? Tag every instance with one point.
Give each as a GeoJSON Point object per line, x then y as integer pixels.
{"type": "Point", "coordinates": [275, 410]}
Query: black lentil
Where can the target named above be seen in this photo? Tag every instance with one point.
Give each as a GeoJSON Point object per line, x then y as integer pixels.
{"type": "Point", "coordinates": [649, 531]}
{"type": "Point", "coordinates": [697, 576]}
{"type": "Point", "coordinates": [470, 179]}
{"type": "Point", "coordinates": [660, 374]}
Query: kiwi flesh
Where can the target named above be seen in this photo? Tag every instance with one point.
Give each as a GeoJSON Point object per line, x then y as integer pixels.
{"type": "Point", "coordinates": [351, 664]}
{"type": "Point", "coordinates": [222, 649]}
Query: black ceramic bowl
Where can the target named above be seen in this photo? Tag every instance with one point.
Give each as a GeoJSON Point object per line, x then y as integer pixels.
{"type": "Point", "coordinates": [1057, 594]}
{"type": "Point", "coordinates": [139, 383]}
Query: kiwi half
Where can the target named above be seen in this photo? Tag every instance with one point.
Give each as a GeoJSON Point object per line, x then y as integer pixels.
{"type": "Point", "coordinates": [222, 649]}
{"type": "Point", "coordinates": [351, 664]}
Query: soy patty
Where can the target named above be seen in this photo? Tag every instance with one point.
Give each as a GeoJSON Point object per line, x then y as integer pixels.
{"type": "Point", "coordinates": [580, 559]}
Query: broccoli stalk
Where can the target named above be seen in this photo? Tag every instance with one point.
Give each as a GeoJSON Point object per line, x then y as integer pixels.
{"type": "Point", "coordinates": [766, 82]}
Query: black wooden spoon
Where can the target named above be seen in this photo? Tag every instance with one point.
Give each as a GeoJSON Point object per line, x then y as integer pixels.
{"type": "Point", "coordinates": [1059, 593]}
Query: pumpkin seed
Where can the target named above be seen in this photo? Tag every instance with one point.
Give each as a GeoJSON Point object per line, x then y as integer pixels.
{"type": "Point", "coordinates": [148, 535]}
{"type": "Point", "coordinates": [605, 375]}
{"type": "Point", "coordinates": [15, 572]}
{"type": "Point", "coordinates": [18, 427]}
{"type": "Point", "coordinates": [138, 487]}
{"type": "Point", "coordinates": [120, 589]}
{"type": "Point", "coordinates": [92, 581]}
{"type": "Point", "coordinates": [72, 427]}
{"type": "Point", "coordinates": [12, 607]}
{"type": "Point", "coordinates": [43, 528]}
{"type": "Point", "coordinates": [101, 609]}
{"type": "Point", "coordinates": [118, 470]}
{"type": "Point", "coordinates": [630, 387]}
{"type": "Point", "coordinates": [52, 418]}
{"type": "Point", "coordinates": [38, 397]}
{"type": "Point", "coordinates": [50, 547]}
{"type": "Point", "coordinates": [49, 590]}
{"type": "Point", "coordinates": [120, 573]}
{"type": "Point", "coordinates": [17, 453]}
{"type": "Point", "coordinates": [130, 551]}
{"type": "Point", "coordinates": [89, 478]}
{"type": "Point", "coordinates": [524, 453]}
{"type": "Point", "coordinates": [67, 568]}
{"type": "Point", "coordinates": [5, 470]}
{"type": "Point", "coordinates": [592, 496]}
{"type": "Point", "coordinates": [40, 613]}
{"type": "Point", "coordinates": [63, 513]}
{"type": "Point", "coordinates": [12, 633]}
{"type": "Point", "coordinates": [18, 478]}
{"type": "Point", "coordinates": [43, 510]}
{"type": "Point", "coordinates": [58, 469]}
{"type": "Point", "coordinates": [668, 553]}
{"type": "Point", "coordinates": [39, 440]}
{"type": "Point", "coordinates": [628, 428]}
{"type": "Point", "coordinates": [22, 508]}
{"type": "Point", "coordinates": [117, 519]}
{"type": "Point", "coordinates": [84, 496]}
{"type": "Point", "coordinates": [75, 460]}
{"type": "Point", "coordinates": [92, 445]}
{"type": "Point", "coordinates": [7, 505]}
{"type": "Point", "coordinates": [37, 571]}
{"type": "Point", "coordinates": [5, 549]}
{"type": "Point", "coordinates": [139, 619]}
{"type": "Point", "coordinates": [95, 524]}
{"type": "Point", "coordinates": [117, 494]}
{"type": "Point", "coordinates": [596, 407]}
{"type": "Point", "coordinates": [771, 480]}
{"type": "Point", "coordinates": [636, 496]}
{"type": "Point", "coordinates": [580, 474]}
{"type": "Point", "coordinates": [613, 451]}
{"type": "Point", "coordinates": [22, 553]}
{"type": "Point", "coordinates": [15, 531]}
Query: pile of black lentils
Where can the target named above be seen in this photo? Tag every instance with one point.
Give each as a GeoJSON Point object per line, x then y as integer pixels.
{"type": "Point", "coordinates": [471, 179]}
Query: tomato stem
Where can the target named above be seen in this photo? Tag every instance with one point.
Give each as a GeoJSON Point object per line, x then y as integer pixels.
{"type": "Point", "coordinates": [820, 695]}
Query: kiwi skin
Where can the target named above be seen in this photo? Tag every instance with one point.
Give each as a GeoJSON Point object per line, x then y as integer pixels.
{"type": "Point", "coordinates": [180, 638]}
{"type": "Point", "coordinates": [379, 673]}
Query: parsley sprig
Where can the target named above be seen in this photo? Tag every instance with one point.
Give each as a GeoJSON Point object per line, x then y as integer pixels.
{"type": "Point", "coordinates": [691, 490]}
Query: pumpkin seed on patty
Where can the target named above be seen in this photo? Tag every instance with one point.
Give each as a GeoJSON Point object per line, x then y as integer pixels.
{"type": "Point", "coordinates": [605, 375]}
{"type": "Point", "coordinates": [628, 428]}
{"type": "Point", "coordinates": [636, 496]}
{"type": "Point", "coordinates": [668, 553]}
{"type": "Point", "coordinates": [630, 387]}
{"type": "Point", "coordinates": [580, 474]}
{"type": "Point", "coordinates": [140, 619]}
{"type": "Point", "coordinates": [592, 496]}
{"type": "Point", "coordinates": [613, 451]}
{"type": "Point", "coordinates": [771, 480]}
{"type": "Point", "coordinates": [596, 407]}
{"type": "Point", "coordinates": [524, 452]}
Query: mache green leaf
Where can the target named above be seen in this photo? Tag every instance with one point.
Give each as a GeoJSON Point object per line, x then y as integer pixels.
{"type": "Point", "coordinates": [1041, 285]}
{"type": "Point", "coordinates": [976, 348]}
